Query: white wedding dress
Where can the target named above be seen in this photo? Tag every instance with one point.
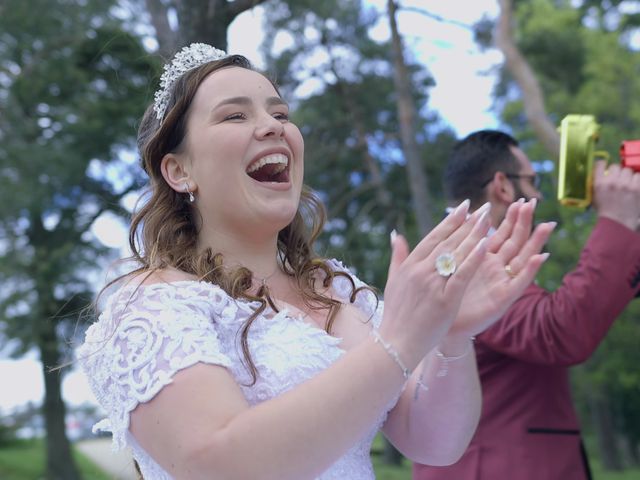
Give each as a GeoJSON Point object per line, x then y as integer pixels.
{"type": "Point", "coordinates": [147, 334]}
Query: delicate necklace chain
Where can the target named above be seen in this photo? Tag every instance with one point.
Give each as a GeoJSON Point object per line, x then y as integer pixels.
{"type": "Point", "coordinates": [263, 280]}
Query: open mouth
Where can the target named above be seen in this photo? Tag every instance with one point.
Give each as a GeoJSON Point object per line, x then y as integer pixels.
{"type": "Point", "coordinates": [272, 168]}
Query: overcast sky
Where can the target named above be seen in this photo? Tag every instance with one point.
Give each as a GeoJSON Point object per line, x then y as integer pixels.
{"type": "Point", "coordinates": [461, 96]}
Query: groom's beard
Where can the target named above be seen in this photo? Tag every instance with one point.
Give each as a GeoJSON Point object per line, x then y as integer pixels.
{"type": "Point", "coordinates": [517, 191]}
{"type": "Point", "coordinates": [520, 194]}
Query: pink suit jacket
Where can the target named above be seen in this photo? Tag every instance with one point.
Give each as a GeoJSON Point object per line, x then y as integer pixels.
{"type": "Point", "coordinates": [528, 428]}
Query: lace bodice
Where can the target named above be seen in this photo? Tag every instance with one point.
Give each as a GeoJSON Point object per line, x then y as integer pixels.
{"type": "Point", "coordinates": [146, 335]}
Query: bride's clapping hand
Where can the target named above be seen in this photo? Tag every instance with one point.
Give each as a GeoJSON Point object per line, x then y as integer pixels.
{"type": "Point", "coordinates": [425, 286]}
{"type": "Point", "coordinates": [511, 263]}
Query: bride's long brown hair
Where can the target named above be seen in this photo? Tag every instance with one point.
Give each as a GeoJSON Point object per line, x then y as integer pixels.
{"type": "Point", "coordinates": [164, 231]}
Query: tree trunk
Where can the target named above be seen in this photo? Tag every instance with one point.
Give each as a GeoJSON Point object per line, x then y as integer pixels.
{"type": "Point", "coordinates": [166, 37]}
{"type": "Point", "coordinates": [522, 73]}
{"type": "Point", "coordinates": [59, 461]}
{"type": "Point", "coordinates": [391, 455]}
{"type": "Point", "coordinates": [628, 451]}
{"type": "Point", "coordinates": [407, 115]}
{"type": "Point", "coordinates": [204, 21]}
{"type": "Point", "coordinates": [60, 464]}
{"type": "Point", "coordinates": [603, 423]}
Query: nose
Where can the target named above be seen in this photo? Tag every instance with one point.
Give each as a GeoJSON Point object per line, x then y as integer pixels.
{"type": "Point", "coordinates": [539, 195]}
{"type": "Point", "coordinates": [268, 126]}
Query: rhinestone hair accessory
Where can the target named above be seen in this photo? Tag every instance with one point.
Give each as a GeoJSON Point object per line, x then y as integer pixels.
{"type": "Point", "coordinates": [186, 59]}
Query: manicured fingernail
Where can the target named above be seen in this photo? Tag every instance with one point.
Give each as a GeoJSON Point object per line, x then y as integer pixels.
{"type": "Point", "coordinates": [484, 209]}
{"type": "Point", "coordinates": [463, 207]}
{"type": "Point", "coordinates": [483, 216]}
{"type": "Point", "coordinates": [545, 256]}
{"type": "Point", "coordinates": [553, 225]}
{"type": "Point", "coordinates": [393, 236]}
{"type": "Point", "coordinates": [521, 200]}
{"type": "Point", "coordinates": [534, 202]}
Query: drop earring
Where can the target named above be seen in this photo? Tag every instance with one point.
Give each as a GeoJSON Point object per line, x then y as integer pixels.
{"type": "Point", "coordinates": [186, 189]}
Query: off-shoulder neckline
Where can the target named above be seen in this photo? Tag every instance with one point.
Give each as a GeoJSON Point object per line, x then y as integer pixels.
{"type": "Point", "coordinates": [333, 262]}
{"type": "Point", "coordinates": [291, 311]}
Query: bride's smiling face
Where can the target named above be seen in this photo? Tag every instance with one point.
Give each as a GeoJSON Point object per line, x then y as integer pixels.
{"type": "Point", "coordinates": [241, 154]}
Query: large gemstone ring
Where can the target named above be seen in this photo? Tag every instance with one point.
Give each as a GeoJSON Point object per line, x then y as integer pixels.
{"type": "Point", "coordinates": [446, 264]}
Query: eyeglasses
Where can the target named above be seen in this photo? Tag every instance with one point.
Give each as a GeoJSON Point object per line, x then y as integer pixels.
{"type": "Point", "coordinates": [533, 178]}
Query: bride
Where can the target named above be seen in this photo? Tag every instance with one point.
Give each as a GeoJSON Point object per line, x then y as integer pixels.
{"type": "Point", "coordinates": [234, 351]}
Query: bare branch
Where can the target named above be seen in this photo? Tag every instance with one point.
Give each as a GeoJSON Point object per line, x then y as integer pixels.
{"type": "Point", "coordinates": [524, 76]}
{"type": "Point", "coordinates": [339, 204]}
{"type": "Point", "coordinates": [438, 18]}
{"type": "Point", "coordinates": [407, 114]}
{"type": "Point", "coordinates": [239, 6]}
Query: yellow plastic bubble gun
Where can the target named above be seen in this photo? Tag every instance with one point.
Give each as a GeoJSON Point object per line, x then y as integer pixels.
{"type": "Point", "coordinates": [578, 137]}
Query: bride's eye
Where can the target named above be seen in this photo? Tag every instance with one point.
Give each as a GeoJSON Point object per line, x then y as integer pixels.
{"type": "Point", "coordinates": [235, 116]}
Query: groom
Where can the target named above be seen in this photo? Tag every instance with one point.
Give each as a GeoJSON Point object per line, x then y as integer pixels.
{"type": "Point", "coordinates": [529, 429]}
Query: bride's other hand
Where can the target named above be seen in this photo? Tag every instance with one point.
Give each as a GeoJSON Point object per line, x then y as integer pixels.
{"type": "Point", "coordinates": [512, 261]}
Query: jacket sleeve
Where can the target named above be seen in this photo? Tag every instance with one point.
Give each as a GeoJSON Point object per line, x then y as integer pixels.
{"type": "Point", "coordinates": [564, 327]}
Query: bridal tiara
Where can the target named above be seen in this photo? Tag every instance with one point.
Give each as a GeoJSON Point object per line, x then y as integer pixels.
{"type": "Point", "coordinates": [186, 59]}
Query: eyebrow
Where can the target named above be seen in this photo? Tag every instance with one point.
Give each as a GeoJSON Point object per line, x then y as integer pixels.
{"type": "Point", "coordinates": [271, 101]}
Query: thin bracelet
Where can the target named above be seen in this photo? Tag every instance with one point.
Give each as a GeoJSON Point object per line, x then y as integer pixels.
{"type": "Point", "coordinates": [442, 372]}
{"type": "Point", "coordinates": [445, 361]}
{"type": "Point", "coordinates": [420, 385]}
{"type": "Point", "coordinates": [392, 353]}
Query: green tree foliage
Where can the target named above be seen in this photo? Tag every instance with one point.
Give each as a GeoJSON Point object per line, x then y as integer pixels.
{"type": "Point", "coordinates": [72, 86]}
{"type": "Point", "coordinates": [343, 82]}
{"type": "Point", "coordinates": [585, 62]}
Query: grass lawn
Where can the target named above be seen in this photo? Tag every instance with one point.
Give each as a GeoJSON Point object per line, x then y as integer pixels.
{"type": "Point", "coordinates": [387, 472]}
{"type": "Point", "coordinates": [24, 460]}
{"type": "Point", "coordinates": [403, 472]}
{"type": "Point", "coordinates": [600, 474]}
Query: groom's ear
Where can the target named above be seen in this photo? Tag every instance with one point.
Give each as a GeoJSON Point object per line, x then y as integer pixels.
{"type": "Point", "coordinates": [500, 190]}
{"type": "Point", "coordinates": [501, 193]}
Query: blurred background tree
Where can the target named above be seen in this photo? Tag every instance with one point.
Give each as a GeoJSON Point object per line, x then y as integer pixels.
{"type": "Point", "coordinates": [72, 86]}
{"type": "Point", "coordinates": [346, 106]}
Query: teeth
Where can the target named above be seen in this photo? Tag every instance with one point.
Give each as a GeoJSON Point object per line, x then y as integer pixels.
{"type": "Point", "coordinates": [277, 158]}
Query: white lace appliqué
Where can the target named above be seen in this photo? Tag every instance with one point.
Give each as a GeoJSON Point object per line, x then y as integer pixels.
{"type": "Point", "coordinates": [140, 341]}
{"type": "Point", "coordinates": [146, 335]}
